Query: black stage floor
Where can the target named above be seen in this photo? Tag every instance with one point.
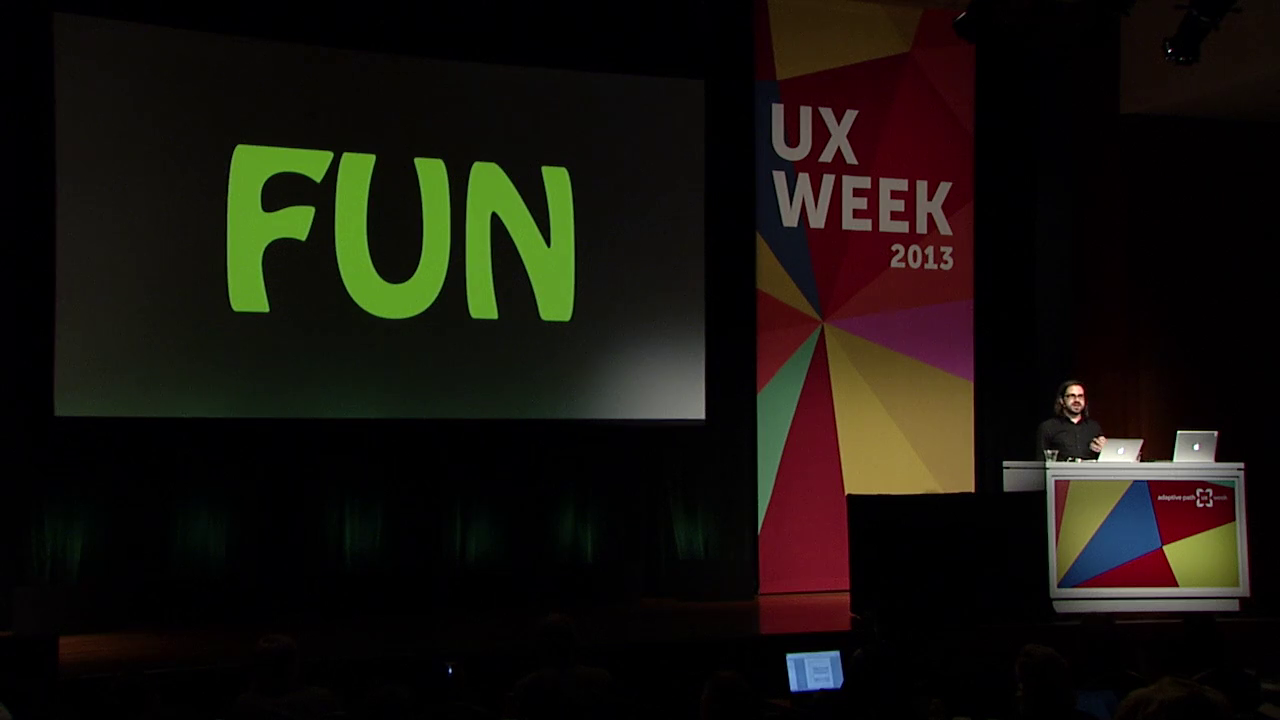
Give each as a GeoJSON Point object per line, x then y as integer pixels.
{"type": "Point", "coordinates": [445, 633]}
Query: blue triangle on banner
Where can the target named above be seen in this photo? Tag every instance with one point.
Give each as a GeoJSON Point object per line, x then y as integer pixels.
{"type": "Point", "coordinates": [1128, 532]}
{"type": "Point", "coordinates": [789, 245]}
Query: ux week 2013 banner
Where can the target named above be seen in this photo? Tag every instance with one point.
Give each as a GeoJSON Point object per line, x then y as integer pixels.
{"type": "Point", "coordinates": [864, 197]}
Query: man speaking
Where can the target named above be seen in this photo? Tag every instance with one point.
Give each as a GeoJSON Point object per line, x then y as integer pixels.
{"type": "Point", "coordinates": [1070, 432]}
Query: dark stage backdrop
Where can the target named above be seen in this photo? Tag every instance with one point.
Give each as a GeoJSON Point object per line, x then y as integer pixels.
{"type": "Point", "coordinates": [117, 521]}
{"type": "Point", "coordinates": [1046, 106]}
{"type": "Point", "coordinates": [1127, 251]}
{"type": "Point", "coordinates": [1175, 332]}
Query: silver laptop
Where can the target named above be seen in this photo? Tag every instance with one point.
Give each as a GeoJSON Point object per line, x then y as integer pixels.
{"type": "Point", "coordinates": [1195, 446]}
{"type": "Point", "coordinates": [1121, 450]}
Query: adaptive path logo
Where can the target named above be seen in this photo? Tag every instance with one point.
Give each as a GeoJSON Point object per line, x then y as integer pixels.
{"type": "Point", "coordinates": [1202, 497]}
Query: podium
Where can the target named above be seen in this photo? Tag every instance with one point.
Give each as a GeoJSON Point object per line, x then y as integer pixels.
{"type": "Point", "coordinates": [1141, 537]}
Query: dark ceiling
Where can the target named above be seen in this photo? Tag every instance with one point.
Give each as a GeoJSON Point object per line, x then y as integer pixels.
{"type": "Point", "coordinates": [1238, 75]}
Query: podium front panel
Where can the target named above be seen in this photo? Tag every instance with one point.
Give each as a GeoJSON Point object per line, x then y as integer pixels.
{"type": "Point", "coordinates": [1146, 530]}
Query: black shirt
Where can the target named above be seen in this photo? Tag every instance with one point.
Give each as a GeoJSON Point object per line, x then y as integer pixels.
{"type": "Point", "coordinates": [1071, 440]}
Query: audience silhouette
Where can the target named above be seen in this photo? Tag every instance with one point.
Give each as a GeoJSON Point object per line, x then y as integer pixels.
{"type": "Point", "coordinates": [1174, 699]}
{"type": "Point", "coordinates": [277, 690]}
{"type": "Point", "coordinates": [728, 696]}
{"type": "Point", "coordinates": [561, 688]}
{"type": "Point", "coordinates": [899, 678]}
{"type": "Point", "coordinates": [1045, 687]}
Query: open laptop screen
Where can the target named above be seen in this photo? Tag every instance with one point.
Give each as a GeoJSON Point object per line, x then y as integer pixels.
{"type": "Point", "coordinates": [1195, 446]}
{"type": "Point", "coordinates": [813, 671]}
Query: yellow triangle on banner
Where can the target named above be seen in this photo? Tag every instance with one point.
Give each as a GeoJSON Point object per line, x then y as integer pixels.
{"type": "Point", "coordinates": [1088, 503]}
{"type": "Point", "coordinates": [1206, 560]}
{"type": "Point", "coordinates": [905, 20]}
{"type": "Point", "coordinates": [810, 36]}
{"type": "Point", "coordinates": [772, 278]}
{"type": "Point", "coordinates": [875, 456]}
{"type": "Point", "coordinates": [932, 408]}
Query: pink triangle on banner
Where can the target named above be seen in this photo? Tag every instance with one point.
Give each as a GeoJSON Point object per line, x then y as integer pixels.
{"type": "Point", "coordinates": [937, 335]}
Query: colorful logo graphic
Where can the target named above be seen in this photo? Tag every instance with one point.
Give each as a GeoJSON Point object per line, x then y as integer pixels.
{"type": "Point", "coordinates": [1146, 534]}
{"type": "Point", "coordinates": [864, 247]}
{"type": "Point", "coordinates": [1204, 498]}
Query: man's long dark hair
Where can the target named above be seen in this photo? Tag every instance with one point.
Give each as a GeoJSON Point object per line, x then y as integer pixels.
{"type": "Point", "coordinates": [1060, 407]}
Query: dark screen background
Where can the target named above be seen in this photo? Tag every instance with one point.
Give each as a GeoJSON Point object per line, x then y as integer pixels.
{"type": "Point", "coordinates": [146, 121]}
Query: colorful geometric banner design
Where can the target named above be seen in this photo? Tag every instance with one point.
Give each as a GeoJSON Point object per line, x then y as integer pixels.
{"type": "Point", "coordinates": [1146, 534]}
{"type": "Point", "coordinates": [864, 247]}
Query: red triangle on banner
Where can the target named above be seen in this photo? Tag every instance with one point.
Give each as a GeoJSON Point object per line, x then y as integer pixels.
{"type": "Point", "coordinates": [804, 544]}
{"type": "Point", "coordinates": [1059, 505]}
{"type": "Point", "coordinates": [900, 289]}
{"type": "Point", "coordinates": [1150, 570]}
{"type": "Point", "coordinates": [935, 30]}
{"type": "Point", "coordinates": [868, 87]}
{"type": "Point", "coordinates": [951, 72]}
{"type": "Point", "coordinates": [780, 330]}
{"type": "Point", "coordinates": [843, 262]}
{"type": "Point", "coordinates": [923, 140]}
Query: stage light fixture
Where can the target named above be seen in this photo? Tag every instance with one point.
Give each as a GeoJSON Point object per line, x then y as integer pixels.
{"type": "Point", "coordinates": [1202, 18]}
{"type": "Point", "coordinates": [969, 23]}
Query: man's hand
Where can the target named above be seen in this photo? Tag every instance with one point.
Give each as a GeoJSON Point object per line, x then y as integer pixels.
{"type": "Point", "coordinates": [1097, 444]}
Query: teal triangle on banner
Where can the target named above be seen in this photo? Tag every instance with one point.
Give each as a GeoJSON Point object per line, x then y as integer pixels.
{"type": "Point", "coordinates": [775, 408]}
